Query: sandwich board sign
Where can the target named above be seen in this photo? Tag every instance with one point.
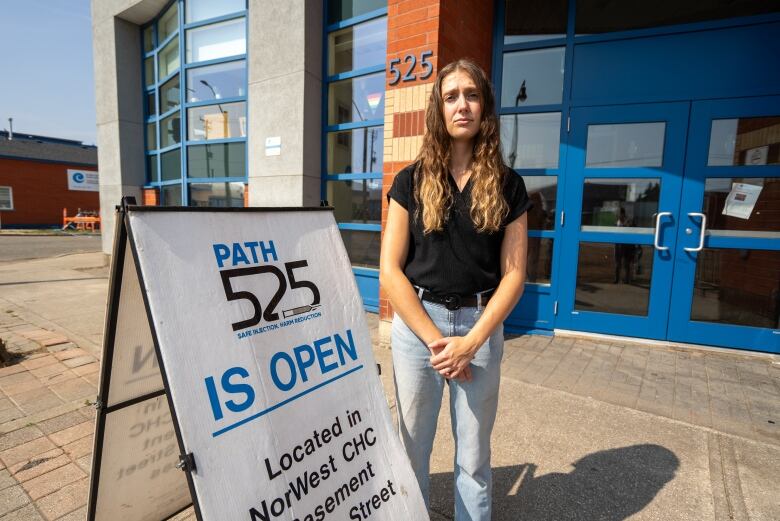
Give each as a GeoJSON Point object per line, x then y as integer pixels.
{"type": "Point", "coordinates": [238, 377]}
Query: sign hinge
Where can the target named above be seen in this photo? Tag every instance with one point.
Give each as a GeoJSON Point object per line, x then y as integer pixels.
{"type": "Point", "coordinates": [555, 308]}
{"type": "Point", "coordinates": [186, 462]}
{"type": "Point", "coordinates": [563, 217]}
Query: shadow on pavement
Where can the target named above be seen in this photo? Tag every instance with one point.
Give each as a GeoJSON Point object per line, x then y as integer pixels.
{"type": "Point", "coordinates": [608, 485]}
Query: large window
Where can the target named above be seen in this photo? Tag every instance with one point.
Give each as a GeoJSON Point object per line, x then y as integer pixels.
{"type": "Point", "coordinates": [195, 86]}
{"type": "Point", "coordinates": [356, 45]}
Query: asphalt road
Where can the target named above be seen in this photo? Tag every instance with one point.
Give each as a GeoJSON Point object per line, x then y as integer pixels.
{"type": "Point", "coordinates": [21, 247]}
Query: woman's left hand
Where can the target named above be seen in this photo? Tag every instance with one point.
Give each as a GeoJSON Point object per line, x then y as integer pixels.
{"type": "Point", "coordinates": [455, 356]}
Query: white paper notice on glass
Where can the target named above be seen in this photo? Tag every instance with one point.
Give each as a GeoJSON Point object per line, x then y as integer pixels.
{"type": "Point", "coordinates": [741, 200]}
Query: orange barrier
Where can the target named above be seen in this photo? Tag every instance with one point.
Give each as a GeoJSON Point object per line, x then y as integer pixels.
{"type": "Point", "coordinates": [83, 221]}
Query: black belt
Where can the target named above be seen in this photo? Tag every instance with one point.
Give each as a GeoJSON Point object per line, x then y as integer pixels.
{"type": "Point", "coordinates": [453, 301]}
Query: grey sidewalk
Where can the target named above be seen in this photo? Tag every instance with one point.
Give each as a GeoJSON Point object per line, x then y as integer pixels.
{"type": "Point", "coordinates": [586, 429]}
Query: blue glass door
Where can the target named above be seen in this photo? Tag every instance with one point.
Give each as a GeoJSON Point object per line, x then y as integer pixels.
{"type": "Point", "coordinates": [623, 181]}
{"type": "Point", "coordinates": [726, 288]}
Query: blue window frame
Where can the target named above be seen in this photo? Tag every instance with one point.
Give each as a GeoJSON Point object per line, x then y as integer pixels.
{"type": "Point", "coordinates": [352, 133]}
{"type": "Point", "coordinates": [195, 103]}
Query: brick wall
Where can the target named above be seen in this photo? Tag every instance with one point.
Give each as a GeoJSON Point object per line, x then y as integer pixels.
{"type": "Point", "coordinates": [151, 197]}
{"type": "Point", "coordinates": [450, 29]}
{"type": "Point", "coordinates": [40, 192]}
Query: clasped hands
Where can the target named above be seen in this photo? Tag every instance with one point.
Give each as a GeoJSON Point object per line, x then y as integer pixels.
{"type": "Point", "coordinates": [452, 355]}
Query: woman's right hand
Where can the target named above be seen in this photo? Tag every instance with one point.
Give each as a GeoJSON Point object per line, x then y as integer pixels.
{"type": "Point", "coordinates": [464, 376]}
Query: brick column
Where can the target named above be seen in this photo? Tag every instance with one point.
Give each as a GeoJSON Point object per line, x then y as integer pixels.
{"type": "Point", "coordinates": [450, 29]}
{"type": "Point", "coordinates": [151, 196]}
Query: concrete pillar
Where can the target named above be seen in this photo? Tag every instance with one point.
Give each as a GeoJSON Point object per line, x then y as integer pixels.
{"type": "Point", "coordinates": [284, 49]}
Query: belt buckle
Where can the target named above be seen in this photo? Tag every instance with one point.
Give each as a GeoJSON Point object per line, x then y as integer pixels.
{"type": "Point", "coordinates": [452, 302]}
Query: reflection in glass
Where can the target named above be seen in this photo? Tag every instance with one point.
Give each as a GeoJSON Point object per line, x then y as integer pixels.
{"type": "Point", "coordinates": [170, 195]}
{"type": "Point", "coordinates": [531, 140]}
{"type": "Point", "coordinates": [224, 80]}
{"type": "Point", "coordinates": [532, 77]}
{"type": "Point", "coordinates": [358, 46]}
{"type": "Point", "coordinates": [358, 201]}
{"type": "Point", "coordinates": [598, 16]}
{"type": "Point", "coordinates": [215, 41]}
{"type": "Point", "coordinates": [170, 130]}
{"type": "Point", "coordinates": [339, 10]}
{"type": "Point", "coordinates": [151, 169]}
{"type": "Point", "coordinates": [151, 136]}
{"type": "Point", "coordinates": [625, 145]}
{"type": "Point", "coordinates": [357, 99]}
{"type": "Point", "coordinates": [151, 104]}
{"type": "Point", "coordinates": [149, 71]}
{"type": "Point", "coordinates": [540, 21]}
{"type": "Point", "coordinates": [764, 219]}
{"type": "Point", "coordinates": [197, 10]}
{"type": "Point", "coordinates": [737, 287]}
{"type": "Point", "coordinates": [744, 141]}
{"type": "Point", "coordinates": [169, 94]}
{"type": "Point", "coordinates": [220, 121]}
{"type": "Point", "coordinates": [169, 23]}
{"type": "Point", "coordinates": [362, 247]}
{"type": "Point", "coordinates": [169, 58]}
{"type": "Point", "coordinates": [542, 190]}
{"type": "Point", "coordinates": [539, 265]}
{"type": "Point", "coordinates": [170, 165]}
{"type": "Point", "coordinates": [630, 203]}
{"type": "Point", "coordinates": [223, 195]}
{"type": "Point", "coordinates": [614, 278]}
{"type": "Point", "coordinates": [148, 38]}
{"type": "Point", "coordinates": [218, 160]}
{"type": "Point", "coordinates": [349, 151]}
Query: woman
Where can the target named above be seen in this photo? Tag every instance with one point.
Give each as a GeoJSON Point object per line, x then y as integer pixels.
{"type": "Point", "coordinates": [453, 264]}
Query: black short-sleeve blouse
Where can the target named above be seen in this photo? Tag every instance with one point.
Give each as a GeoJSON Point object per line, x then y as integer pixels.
{"type": "Point", "coordinates": [457, 259]}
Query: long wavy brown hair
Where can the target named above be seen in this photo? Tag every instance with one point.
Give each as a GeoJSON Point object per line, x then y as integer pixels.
{"type": "Point", "coordinates": [433, 192]}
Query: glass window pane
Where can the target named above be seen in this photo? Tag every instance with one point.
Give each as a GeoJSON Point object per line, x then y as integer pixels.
{"type": "Point", "coordinates": [170, 195]}
{"type": "Point", "coordinates": [219, 160]}
{"type": "Point", "coordinates": [222, 195]}
{"type": "Point", "coordinates": [598, 16]}
{"type": "Point", "coordinates": [357, 99]}
{"type": "Point", "coordinates": [355, 151]}
{"type": "Point", "coordinates": [149, 71]}
{"type": "Point", "coordinates": [737, 287]}
{"type": "Point", "coordinates": [614, 278]}
{"type": "Point", "coordinates": [539, 265]}
{"type": "Point", "coordinates": [358, 201]}
{"type": "Point", "coordinates": [151, 104]}
{"type": "Point", "coordinates": [151, 136]}
{"type": "Point", "coordinates": [532, 78]}
{"type": "Point", "coordinates": [169, 94]}
{"type": "Point", "coordinates": [221, 121]}
{"type": "Point", "coordinates": [541, 21]}
{"type": "Point", "coordinates": [743, 218]}
{"type": "Point", "coordinates": [362, 247]}
{"type": "Point", "coordinates": [625, 145]}
{"type": "Point", "coordinates": [148, 38]}
{"type": "Point", "coordinates": [342, 9]}
{"type": "Point", "coordinates": [169, 58]}
{"type": "Point", "coordinates": [169, 22]}
{"type": "Point", "coordinates": [170, 165]}
{"type": "Point", "coordinates": [531, 140]}
{"type": "Point", "coordinates": [542, 190]}
{"type": "Point", "coordinates": [170, 130]}
{"type": "Point", "coordinates": [151, 169]}
{"type": "Point", "coordinates": [745, 141]}
{"type": "Point", "coordinates": [215, 41]}
{"type": "Point", "coordinates": [625, 203]}
{"type": "Point", "coordinates": [213, 82]}
{"type": "Point", "coordinates": [357, 46]}
{"type": "Point", "coordinates": [197, 10]}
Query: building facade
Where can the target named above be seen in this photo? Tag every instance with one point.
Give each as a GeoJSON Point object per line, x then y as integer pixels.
{"type": "Point", "coordinates": [649, 138]}
{"type": "Point", "coordinates": [40, 177]}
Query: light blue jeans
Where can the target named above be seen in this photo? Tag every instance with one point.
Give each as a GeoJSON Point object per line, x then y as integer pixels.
{"type": "Point", "coordinates": [418, 391]}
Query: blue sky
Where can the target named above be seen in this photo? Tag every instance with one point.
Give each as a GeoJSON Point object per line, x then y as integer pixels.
{"type": "Point", "coordinates": [46, 78]}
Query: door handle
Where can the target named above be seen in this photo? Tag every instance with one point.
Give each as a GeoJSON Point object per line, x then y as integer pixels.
{"type": "Point", "coordinates": [658, 231]}
{"type": "Point", "coordinates": [701, 233]}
